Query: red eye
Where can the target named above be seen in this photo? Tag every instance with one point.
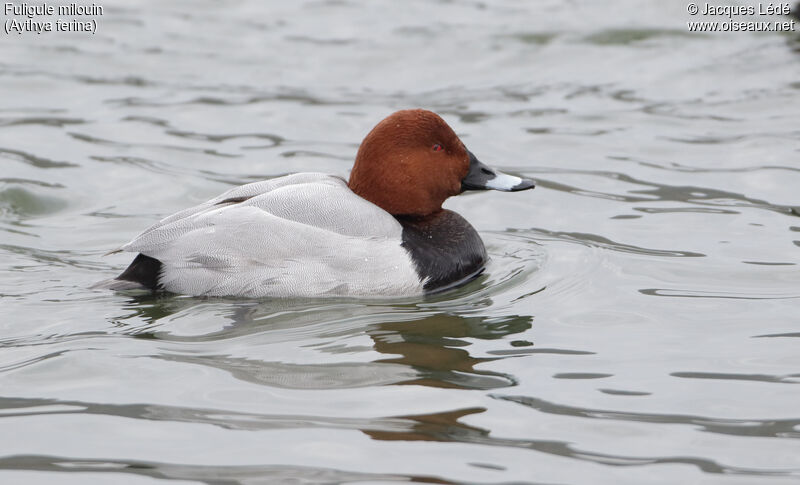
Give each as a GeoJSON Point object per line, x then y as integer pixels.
{"type": "Point", "coordinates": [437, 147]}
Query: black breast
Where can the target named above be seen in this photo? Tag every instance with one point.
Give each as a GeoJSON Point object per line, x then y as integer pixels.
{"type": "Point", "coordinates": [444, 247]}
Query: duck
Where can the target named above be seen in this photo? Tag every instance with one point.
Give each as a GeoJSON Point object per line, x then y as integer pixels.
{"type": "Point", "coordinates": [382, 233]}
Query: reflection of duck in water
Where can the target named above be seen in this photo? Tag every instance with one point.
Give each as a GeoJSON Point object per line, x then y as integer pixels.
{"type": "Point", "coordinates": [383, 233]}
{"type": "Point", "coordinates": [431, 351]}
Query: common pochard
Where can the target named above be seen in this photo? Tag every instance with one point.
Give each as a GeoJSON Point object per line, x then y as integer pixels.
{"type": "Point", "coordinates": [382, 233]}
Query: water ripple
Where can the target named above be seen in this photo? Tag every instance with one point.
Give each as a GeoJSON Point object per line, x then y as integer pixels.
{"type": "Point", "coordinates": [38, 183]}
{"type": "Point", "coordinates": [768, 428]}
{"type": "Point", "coordinates": [41, 120]}
{"type": "Point", "coordinates": [274, 140]}
{"type": "Point", "coordinates": [105, 142]}
{"type": "Point", "coordinates": [345, 375]}
{"type": "Point", "coordinates": [596, 241]}
{"type": "Point", "coordinates": [36, 161]}
{"type": "Point", "coordinates": [235, 98]}
{"type": "Point", "coordinates": [773, 335]}
{"type": "Point", "coordinates": [632, 36]}
{"type": "Point", "coordinates": [787, 379]}
{"type": "Point", "coordinates": [446, 427]}
{"type": "Point", "coordinates": [209, 474]}
{"type": "Point", "coordinates": [31, 361]}
{"type": "Point", "coordinates": [22, 202]}
{"type": "Point", "coordinates": [688, 194]}
{"type": "Point", "coordinates": [51, 258]}
{"type": "Point", "coordinates": [685, 293]}
{"type": "Point", "coordinates": [442, 427]}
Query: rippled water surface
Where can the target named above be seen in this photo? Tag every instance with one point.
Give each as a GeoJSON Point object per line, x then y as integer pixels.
{"type": "Point", "coordinates": [638, 322]}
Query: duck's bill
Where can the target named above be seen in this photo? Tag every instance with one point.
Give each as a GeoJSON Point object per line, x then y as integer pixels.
{"type": "Point", "coordinates": [482, 177]}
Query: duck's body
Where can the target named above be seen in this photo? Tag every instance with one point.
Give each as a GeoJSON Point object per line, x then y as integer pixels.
{"type": "Point", "coordinates": [310, 234]}
{"type": "Point", "coordinates": [301, 235]}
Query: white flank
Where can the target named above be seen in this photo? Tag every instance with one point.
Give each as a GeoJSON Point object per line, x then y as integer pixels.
{"type": "Point", "coordinates": [301, 235]}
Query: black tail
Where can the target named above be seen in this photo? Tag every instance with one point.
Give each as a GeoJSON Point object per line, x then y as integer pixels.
{"type": "Point", "coordinates": [144, 270]}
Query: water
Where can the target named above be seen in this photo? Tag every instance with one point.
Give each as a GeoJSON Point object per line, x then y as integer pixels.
{"type": "Point", "coordinates": [638, 321]}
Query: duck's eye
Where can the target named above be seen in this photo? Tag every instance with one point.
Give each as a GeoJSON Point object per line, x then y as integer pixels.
{"type": "Point", "coordinates": [437, 147]}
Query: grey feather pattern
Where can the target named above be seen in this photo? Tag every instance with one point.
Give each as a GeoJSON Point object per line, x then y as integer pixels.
{"type": "Point", "coordinates": [299, 235]}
